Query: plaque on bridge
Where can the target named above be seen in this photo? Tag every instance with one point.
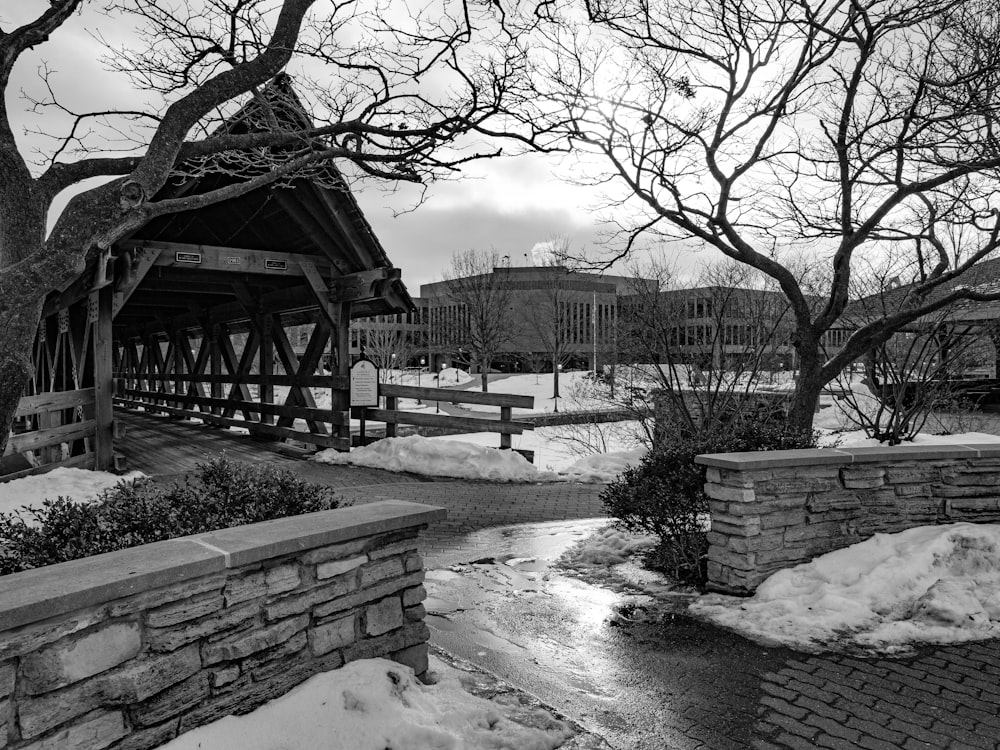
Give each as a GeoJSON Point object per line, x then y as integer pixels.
{"type": "Point", "coordinates": [364, 383]}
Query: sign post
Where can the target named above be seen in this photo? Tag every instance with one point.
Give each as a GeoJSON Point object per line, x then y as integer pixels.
{"type": "Point", "coordinates": [364, 389]}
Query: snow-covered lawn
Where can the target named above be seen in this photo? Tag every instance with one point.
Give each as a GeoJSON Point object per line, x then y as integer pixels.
{"type": "Point", "coordinates": [376, 704]}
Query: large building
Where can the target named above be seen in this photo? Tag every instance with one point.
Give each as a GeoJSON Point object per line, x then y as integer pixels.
{"type": "Point", "coordinates": [552, 316]}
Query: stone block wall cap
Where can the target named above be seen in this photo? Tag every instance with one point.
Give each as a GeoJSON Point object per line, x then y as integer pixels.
{"type": "Point", "coordinates": [41, 593]}
{"type": "Point", "coordinates": [243, 545]}
{"type": "Point", "coordinates": [751, 460]}
{"type": "Point", "coordinates": [909, 452]}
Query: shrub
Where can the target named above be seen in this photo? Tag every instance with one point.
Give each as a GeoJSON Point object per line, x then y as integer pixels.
{"type": "Point", "coordinates": [664, 495]}
{"type": "Point", "coordinates": [221, 494]}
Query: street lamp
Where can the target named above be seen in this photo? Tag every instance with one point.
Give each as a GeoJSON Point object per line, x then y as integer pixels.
{"type": "Point", "coordinates": [419, 373]}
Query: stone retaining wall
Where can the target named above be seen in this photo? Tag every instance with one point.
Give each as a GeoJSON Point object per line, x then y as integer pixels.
{"type": "Point", "coordinates": [126, 650]}
{"type": "Point", "coordinates": [775, 509]}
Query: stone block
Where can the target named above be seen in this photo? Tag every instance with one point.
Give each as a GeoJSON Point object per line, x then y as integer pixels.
{"type": "Point", "coordinates": [912, 490]}
{"type": "Point", "coordinates": [383, 645]}
{"type": "Point", "coordinates": [413, 562]}
{"type": "Point", "coordinates": [301, 602]}
{"type": "Point", "coordinates": [912, 474]}
{"type": "Point", "coordinates": [756, 543]}
{"type": "Point", "coordinates": [383, 616]}
{"type": "Point", "coordinates": [252, 641]}
{"type": "Point", "coordinates": [171, 702]}
{"type": "Point", "coordinates": [224, 676]}
{"type": "Point", "coordinates": [973, 504]}
{"type": "Point", "coordinates": [713, 474]}
{"type": "Point", "coordinates": [820, 502]}
{"type": "Point", "coordinates": [357, 599]}
{"type": "Point", "coordinates": [134, 682]}
{"type": "Point", "coordinates": [414, 596]}
{"type": "Point", "coordinates": [334, 568]}
{"type": "Point", "coordinates": [387, 547]}
{"type": "Point", "coordinates": [948, 490]}
{"type": "Point", "coordinates": [186, 609]}
{"type": "Point", "coordinates": [971, 478]}
{"type": "Point", "coordinates": [281, 579]}
{"type": "Point", "coordinates": [782, 519]}
{"type": "Point", "coordinates": [336, 551]}
{"type": "Point", "coordinates": [736, 526]}
{"type": "Point", "coordinates": [94, 731]}
{"type": "Point", "coordinates": [7, 672]}
{"type": "Point", "coordinates": [79, 657]}
{"type": "Point", "coordinates": [415, 613]}
{"type": "Point", "coordinates": [414, 657]}
{"type": "Point", "coordinates": [148, 600]}
{"type": "Point", "coordinates": [276, 657]}
{"type": "Point", "coordinates": [230, 619]}
{"type": "Point", "coordinates": [333, 635]}
{"type": "Point", "coordinates": [245, 587]}
{"type": "Point", "coordinates": [729, 494]}
{"type": "Point", "coordinates": [32, 638]}
{"type": "Point", "coordinates": [378, 571]}
{"type": "Point", "coordinates": [730, 559]}
{"type": "Point", "coordinates": [798, 485]}
{"type": "Point", "coordinates": [813, 531]}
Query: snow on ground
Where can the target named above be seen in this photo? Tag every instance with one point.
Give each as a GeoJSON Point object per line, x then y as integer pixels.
{"type": "Point", "coordinates": [540, 386]}
{"type": "Point", "coordinates": [472, 457]}
{"type": "Point", "coordinates": [376, 704]}
{"type": "Point", "coordinates": [79, 484]}
{"type": "Point", "coordinates": [931, 584]}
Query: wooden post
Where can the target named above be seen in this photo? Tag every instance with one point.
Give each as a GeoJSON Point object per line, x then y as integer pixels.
{"type": "Point", "coordinates": [340, 399]}
{"type": "Point", "coordinates": [391, 404]}
{"type": "Point", "coordinates": [505, 416]}
{"type": "Point", "coordinates": [103, 374]}
{"type": "Point", "coordinates": [214, 333]}
{"type": "Point", "coordinates": [265, 325]}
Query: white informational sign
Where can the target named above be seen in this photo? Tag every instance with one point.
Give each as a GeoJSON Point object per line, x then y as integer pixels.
{"type": "Point", "coordinates": [364, 384]}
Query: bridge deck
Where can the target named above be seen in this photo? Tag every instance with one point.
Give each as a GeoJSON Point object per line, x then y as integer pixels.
{"type": "Point", "coordinates": [156, 445]}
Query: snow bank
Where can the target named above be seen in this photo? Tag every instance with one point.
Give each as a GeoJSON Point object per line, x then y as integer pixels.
{"type": "Point", "coordinates": [79, 484]}
{"type": "Point", "coordinates": [931, 584]}
{"type": "Point", "coordinates": [468, 459]}
{"type": "Point", "coordinates": [375, 704]}
{"type": "Point", "coordinates": [440, 458]}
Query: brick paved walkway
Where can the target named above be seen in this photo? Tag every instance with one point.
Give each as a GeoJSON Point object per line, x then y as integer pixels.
{"type": "Point", "coordinates": [726, 692]}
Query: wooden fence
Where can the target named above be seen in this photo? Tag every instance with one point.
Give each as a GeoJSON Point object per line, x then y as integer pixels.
{"type": "Point", "coordinates": [53, 429]}
{"type": "Point", "coordinates": [505, 426]}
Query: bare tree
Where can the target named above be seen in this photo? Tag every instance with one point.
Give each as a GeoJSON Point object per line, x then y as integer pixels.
{"type": "Point", "coordinates": [479, 302]}
{"type": "Point", "coordinates": [758, 129]}
{"type": "Point", "coordinates": [392, 90]}
{"type": "Point", "coordinates": [385, 345]}
{"type": "Point", "coordinates": [706, 346]}
{"type": "Point", "coordinates": [916, 373]}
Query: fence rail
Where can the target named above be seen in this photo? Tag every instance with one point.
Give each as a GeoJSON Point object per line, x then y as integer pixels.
{"type": "Point", "coordinates": [505, 426]}
{"type": "Point", "coordinates": [52, 429]}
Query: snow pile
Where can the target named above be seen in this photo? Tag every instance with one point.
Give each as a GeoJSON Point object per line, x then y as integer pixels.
{"type": "Point", "coordinates": [931, 584]}
{"type": "Point", "coordinates": [602, 467]}
{"type": "Point", "coordinates": [440, 458]}
{"type": "Point", "coordinates": [79, 484]}
{"type": "Point", "coordinates": [608, 546]}
{"type": "Point", "coordinates": [376, 704]}
{"type": "Point", "coordinates": [453, 376]}
{"type": "Point", "coordinates": [467, 458]}
{"type": "Point", "coordinates": [858, 439]}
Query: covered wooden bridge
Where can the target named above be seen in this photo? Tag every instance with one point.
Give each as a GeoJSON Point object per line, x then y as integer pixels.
{"type": "Point", "coordinates": [189, 317]}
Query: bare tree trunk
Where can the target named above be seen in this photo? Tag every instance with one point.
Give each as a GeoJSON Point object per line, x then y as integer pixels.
{"type": "Point", "coordinates": [484, 376]}
{"type": "Point", "coordinates": [808, 388]}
